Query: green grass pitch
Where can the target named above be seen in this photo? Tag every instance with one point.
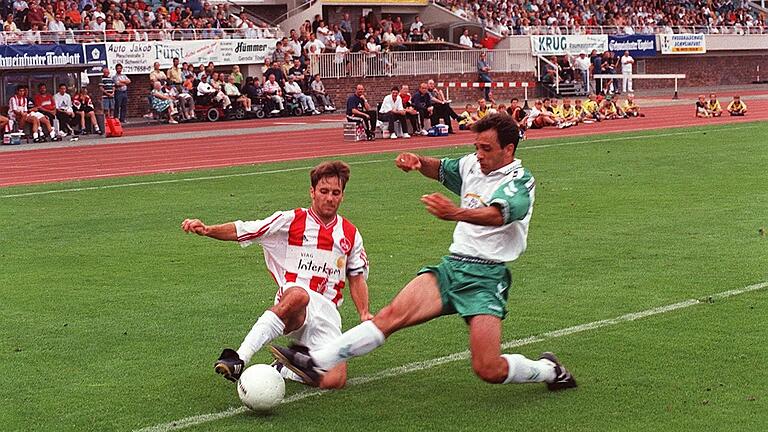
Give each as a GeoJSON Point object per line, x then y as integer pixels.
{"type": "Point", "coordinates": [112, 318]}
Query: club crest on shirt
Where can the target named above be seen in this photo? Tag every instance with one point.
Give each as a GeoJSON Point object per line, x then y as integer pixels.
{"type": "Point", "coordinates": [345, 245]}
{"type": "Point", "coordinates": [472, 201]}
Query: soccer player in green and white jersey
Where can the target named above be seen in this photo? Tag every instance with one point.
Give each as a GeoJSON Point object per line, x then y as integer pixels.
{"type": "Point", "coordinates": [497, 196]}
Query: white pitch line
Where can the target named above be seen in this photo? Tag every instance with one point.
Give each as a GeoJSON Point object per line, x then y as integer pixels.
{"type": "Point", "coordinates": [284, 170]}
{"type": "Point", "coordinates": [332, 121]}
{"type": "Point", "coordinates": [463, 355]}
{"type": "Point", "coordinates": [290, 123]}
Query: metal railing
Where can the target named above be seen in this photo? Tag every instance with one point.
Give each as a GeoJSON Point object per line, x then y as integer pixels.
{"type": "Point", "coordinates": [624, 30]}
{"type": "Point", "coordinates": [292, 12]}
{"type": "Point", "coordinates": [88, 36]}
{"type": "Point", "coordinates": [409, 63]}
{"type": "Point", "coordinates": [553, 66]}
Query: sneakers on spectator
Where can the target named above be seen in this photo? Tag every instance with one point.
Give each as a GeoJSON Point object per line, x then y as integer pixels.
{"type": "Point", "coordinates": [316, 112]}
{"type": "Point", "coordinates": [424, 132]}
{"type": "Point", "coordinates": [275, 111]}
{"type": "Point", "coordinates": [406, 136]}
{"type": "Point", "coordinates": [393, 136]}
{"type": "Point", "coordinates": [172, 121]}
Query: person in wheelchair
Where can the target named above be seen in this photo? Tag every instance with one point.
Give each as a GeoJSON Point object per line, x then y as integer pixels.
{"type": "Point", "coordinates": [208, 93]}
{"type": "Point", "coordinates": [182, 99]}
{"type": "Point", "coordinates": [272, 90]}
{"type": "Point", "coordinates": [293, 90]}
{"type": "Point", "coordinates": [231, 90]}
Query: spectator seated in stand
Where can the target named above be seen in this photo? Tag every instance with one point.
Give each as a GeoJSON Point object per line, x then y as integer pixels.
{"type": "Point", "coordinates": [359, 111]}
{"type": "Point", "coordinates": [233, 92]}
{"type": "Point", "coordinates": [737, 107]}
{"type": "Point", "coordinates": [208, 93]}
{"type": "Point", "coordinates": [23, 113]}
{"type": "Point", "coordinates": [318, 92]}
{"type": "Point", "coordinates": [392, 111]}
{"type": "Point", "coordinates": [184, 102]}
{"type": "Point", "coordinates": [293, 91]}
{"type": "Point", "coordinates": [163, 103]}
{"type": "Point", "coordinates": [64, 110]}
{"type": "Point", "coordinates": [422, 103]}
{"type": "Point", "coordinates": [83, 107]}
{"type": "Point", "coordinates": [272, 90]}
{"type": "Point", "coordinates": [411, 114]}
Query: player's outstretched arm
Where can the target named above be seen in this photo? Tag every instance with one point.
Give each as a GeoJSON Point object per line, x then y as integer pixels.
{"type": "Point", "coordinates": [427, 166]}
{"type": "Point", "coordinates": [358, 288]}
{"type": "Point", "coordinates": [225, 231]}
{"type": "Point", "coordinates": [442, 207]}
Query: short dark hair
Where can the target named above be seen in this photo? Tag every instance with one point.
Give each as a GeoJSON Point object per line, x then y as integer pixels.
{"type": "Point", "coordinates": [505, 126]}
{"type": "Point", "coordinates": [395, 88]}
{"type": "Point", "coordinates": [336, 169]}
{"type": "Point", "coordinates": [515, 99]}
{"type": "Point", "coordinates": [118, 65]}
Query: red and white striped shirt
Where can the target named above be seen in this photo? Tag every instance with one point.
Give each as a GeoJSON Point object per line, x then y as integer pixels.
{"type": "Point", "coordinates": [300, 249]}
{"type": "Point", "coordinates": [16, 103]}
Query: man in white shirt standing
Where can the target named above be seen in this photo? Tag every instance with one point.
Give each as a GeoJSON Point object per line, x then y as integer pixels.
{"type": "Point", "coordinates": [582, 64]}
{"type": "Point", "coordinates": [626, 72]}
{"type": "Point", "coordinates": [466, 40]}
{"type": "Point", "coordinates": [392, 110]}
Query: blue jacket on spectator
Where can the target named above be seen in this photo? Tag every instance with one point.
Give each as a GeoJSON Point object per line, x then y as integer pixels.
{"type": "Point", "coordinates": [421, 101]}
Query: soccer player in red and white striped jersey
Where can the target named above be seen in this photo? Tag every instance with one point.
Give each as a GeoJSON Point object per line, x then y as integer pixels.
{"type": "Point", "coordinates": [311, 253]}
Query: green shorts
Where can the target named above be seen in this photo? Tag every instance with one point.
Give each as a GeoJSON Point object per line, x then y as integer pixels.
{"type": "Point", "coordinates": [469, 288]}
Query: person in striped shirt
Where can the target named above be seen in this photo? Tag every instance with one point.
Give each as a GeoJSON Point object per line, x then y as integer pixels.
{"type": "Point", "coordinates": [311, 253]}
{"type": "Point", "coordinates": [497, 195]}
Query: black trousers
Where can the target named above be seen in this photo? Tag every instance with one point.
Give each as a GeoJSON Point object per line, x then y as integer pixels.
{"type": "Point", "coordinates": [391, 118]}
{"type": "Point", "coordinates": [415, 120]}
{"type": "Point", "coordinates": [369, 123]}
{"type": "Point", "coordinates": [67, 123]}
{"type": "Point", "coordinates": [445, 112]}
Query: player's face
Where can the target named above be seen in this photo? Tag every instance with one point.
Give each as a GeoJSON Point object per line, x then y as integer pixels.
{"type": "Point", "coordinates": [327, 197]}
{"type": "Point", "coordinates": [489, 153]}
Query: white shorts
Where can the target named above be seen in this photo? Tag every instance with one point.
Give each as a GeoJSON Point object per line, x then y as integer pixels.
{"type": "Point", "coordinates": [322, 323]}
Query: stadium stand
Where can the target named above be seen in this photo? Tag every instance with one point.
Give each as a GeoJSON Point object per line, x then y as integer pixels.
{"type": "Point", "coordinates": [617, 17]}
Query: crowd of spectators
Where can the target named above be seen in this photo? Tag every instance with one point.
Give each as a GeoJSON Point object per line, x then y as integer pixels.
{"type": "Point", "coordinates": [524, 17]}
{"type": "Point", "coordinates": [40, 21]}
{"type": "Point", "coordinates": [175, 92]}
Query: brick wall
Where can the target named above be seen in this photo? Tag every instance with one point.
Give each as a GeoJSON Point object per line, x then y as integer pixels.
{"type": "Point", "coordinates": [721, 68]}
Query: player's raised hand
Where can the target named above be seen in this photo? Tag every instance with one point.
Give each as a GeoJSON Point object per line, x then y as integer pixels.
{"type": "Point", "coordinates": [194, 226]}
{"type": "Point", "coordinates": [440, 206]}
{"type": "Point", "coordinates": [408, 162]}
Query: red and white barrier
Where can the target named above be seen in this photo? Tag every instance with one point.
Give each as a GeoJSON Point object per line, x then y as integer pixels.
{"type": "Point", "coordinates": [501, 84]}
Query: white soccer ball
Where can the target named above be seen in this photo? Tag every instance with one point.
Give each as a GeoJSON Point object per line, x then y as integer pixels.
{"type": "Point", "coordinates": [261, 388]}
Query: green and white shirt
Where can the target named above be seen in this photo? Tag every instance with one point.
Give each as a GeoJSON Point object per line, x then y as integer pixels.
{"type": "Point", "coordinates": [511, 188]}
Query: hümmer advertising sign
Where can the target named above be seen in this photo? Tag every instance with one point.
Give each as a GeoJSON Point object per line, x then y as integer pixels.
{"type": "Point", "coordinates": [138, 57]}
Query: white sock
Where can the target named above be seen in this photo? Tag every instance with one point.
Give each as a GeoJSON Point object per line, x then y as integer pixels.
{"type": "Point", "coordinates": [357, 341]}
{"type": "Point", "coordinates": [268, 327]}
{"type": "Point", "coordinates": [35, 135]}
{"type": "Point", "coordinates": [523, 370]}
